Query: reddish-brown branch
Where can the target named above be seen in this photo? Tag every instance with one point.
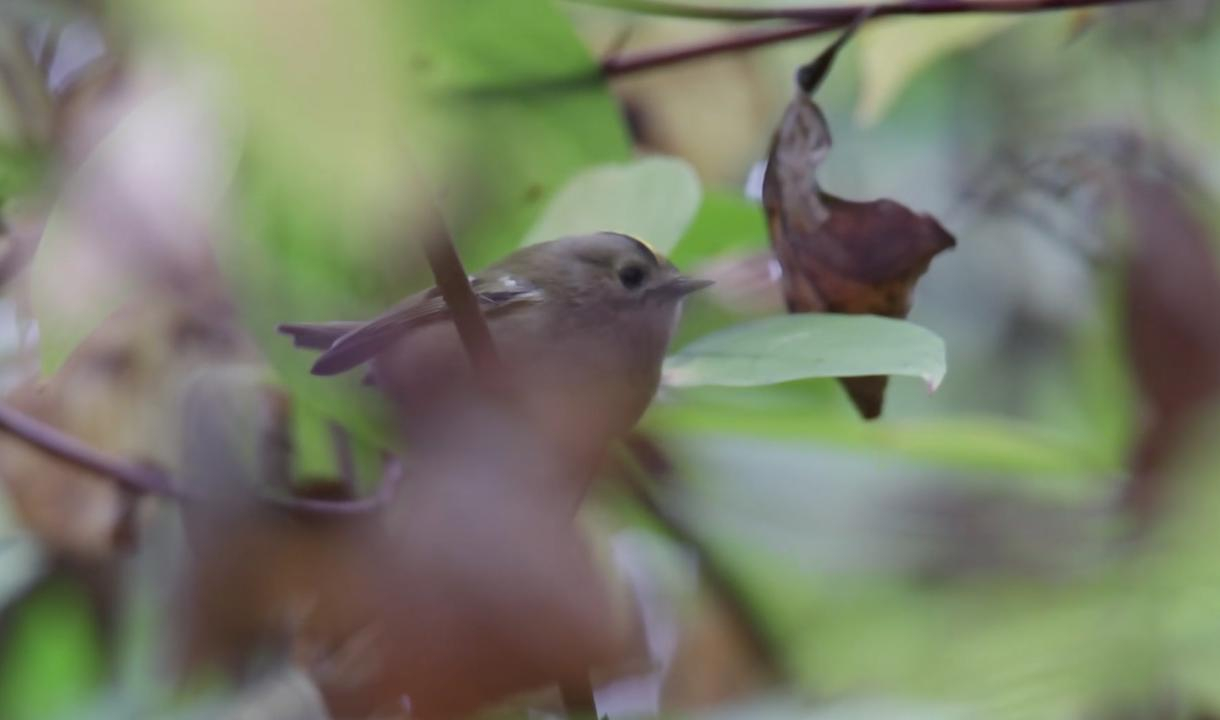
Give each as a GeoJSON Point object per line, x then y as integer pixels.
{"type": "Point", "coordinates": [145, 479]}
{"type": "Point", "coordinates": [843, 14]}
{"type": "Point", "coordinates": [810, 21]}
{"type": "Point", "coordinates": [650, 59]}
{"type": "Point", "coordinates": [137, 478]}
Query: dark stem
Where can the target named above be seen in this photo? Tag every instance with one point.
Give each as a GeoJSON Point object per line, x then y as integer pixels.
{"type": "Point", "coordinates": [144, 479]}
{"type": "Point", "coordinates": [810, 76]}
{"type": "Point", "coordinates": [844, 14]}
{"type": "Point", "coordinates": [647, 457]}
{"type": "Point", "coordinates": [137, 478]}
{"type": "Point", "coordinates": [454, 286]}
{"type": "Point", "coordinates": [628, 63]}
{"type": "Point", "coordinates": [809, 22]}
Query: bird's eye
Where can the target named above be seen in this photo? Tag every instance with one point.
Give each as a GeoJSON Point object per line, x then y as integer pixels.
{"type": "Point", "coordinates": [631, 276]}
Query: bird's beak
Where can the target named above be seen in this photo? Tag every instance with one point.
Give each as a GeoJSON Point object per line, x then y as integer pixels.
{"type": "Point", "coordinates": [681, 286]}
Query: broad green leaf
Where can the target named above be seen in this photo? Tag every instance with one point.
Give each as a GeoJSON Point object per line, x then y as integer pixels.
{"type": "Point", "coordinates": [519, 108]}
{"type": "Point", "coordinates": [790, 347]}
{"type": "Point", "coordinates": [653, 199]}
{"type": "Point", "coordinates": [893, 51]}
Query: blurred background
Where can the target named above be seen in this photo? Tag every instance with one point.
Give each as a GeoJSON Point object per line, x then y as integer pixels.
{"type": "Point", "coordinates": [1033, 539]}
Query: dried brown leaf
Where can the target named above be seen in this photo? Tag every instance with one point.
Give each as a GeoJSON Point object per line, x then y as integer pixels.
{"type": "Point", "coordinates": [837, 255]}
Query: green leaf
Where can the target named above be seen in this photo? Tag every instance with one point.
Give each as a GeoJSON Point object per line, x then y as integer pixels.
{"type": "Point", "coordinates": [894, 51]}
{"type": "Point", "coordinates": [724, 223]}
{"type": "Point", "coordinates": [653, 199]}
{"type": "Point", "coordinates": [510, 126]}
{"type": "Point", "coordinates": [52, 660]}
{"type": "Point", "coordinates": [790, 347]}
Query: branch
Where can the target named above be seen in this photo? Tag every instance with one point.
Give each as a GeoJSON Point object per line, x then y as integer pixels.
{"type": "Point", "coordinates": [811, 21]}
{"type": "Point", "coordinates": [145, 479]}
{"type": "Point", "coordinates": [131, 476]}
{"type": "Point", "coordinates": [650, 59]}
{"type": "Point", "coordinates": [455, 289]}
{"type": "Point", "coordinates": [844, 14]}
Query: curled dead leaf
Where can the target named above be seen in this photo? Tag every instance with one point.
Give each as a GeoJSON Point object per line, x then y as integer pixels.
{"type": "Point", "coordinates": [840, 256]}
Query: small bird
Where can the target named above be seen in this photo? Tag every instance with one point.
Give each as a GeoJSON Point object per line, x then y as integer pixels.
{"type": "Point", "coordinates": [581, 323]}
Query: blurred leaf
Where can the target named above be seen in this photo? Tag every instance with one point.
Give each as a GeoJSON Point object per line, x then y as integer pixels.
{"type": "Point", "coordinates": [20, 170]}
{"type": "Point", "coordinates": [894, 51]}
{"type": "Point", "coordinates": [52, 659]}
{"type": "Point", "coordinates": [793, 708]}
{"type": "Point", "coordinates": [131, 216]}
{"type": "Point", "coordinates": [507, 126]}
{"type": "Point", "coordinates": [723, 223]}
{"type": "Point", "coordinates": [981, 444]}
{"type": "Point", "coordinates": [653, 199]}
{"type": "Point", "coordinates": [791, 347]}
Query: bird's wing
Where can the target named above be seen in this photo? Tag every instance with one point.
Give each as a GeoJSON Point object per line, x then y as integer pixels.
{"type": "Point", "coordinates": [317, 336]}
{"type": "Point", "coordinates": [359, 343]}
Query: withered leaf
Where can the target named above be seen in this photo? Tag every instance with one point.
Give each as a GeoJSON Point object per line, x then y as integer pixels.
{"type": "Point", "coordinates": [837, 255]}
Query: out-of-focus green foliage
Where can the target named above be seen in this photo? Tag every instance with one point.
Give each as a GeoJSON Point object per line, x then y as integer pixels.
{"type": "Point", "coordinates": [840, 578]}
{"type": "Point", "coordinates": [724, 223]}
{"type": "Point", "coordinates": [340, 180]}
{"type": "Point", "coordinates": [958, 558]}
{"type": "Point", "coordinates": [52, 660]}
{"type": "Point", "coordinates": [20, 170]}
{"type": "Point", "coordinates": [653, 199]}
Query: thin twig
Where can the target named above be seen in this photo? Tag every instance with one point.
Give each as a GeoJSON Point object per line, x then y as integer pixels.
{"type": "Point", "coordinates": [843, 14]}
{"type": "Point", "coordinates": [145, 479]}
{"type": "Point", "coordinates": [138, 478]}
{"type": "Point", "coordinates": [810, 22]}
{"type": "Point", "coordinates": [651, 460]}
{"type": "Point", "coordinates": [628, 63]}
{"type": "Point", "coordinates": [454, 286]}
{"type": "Point", "coordinates": [810, 76]}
